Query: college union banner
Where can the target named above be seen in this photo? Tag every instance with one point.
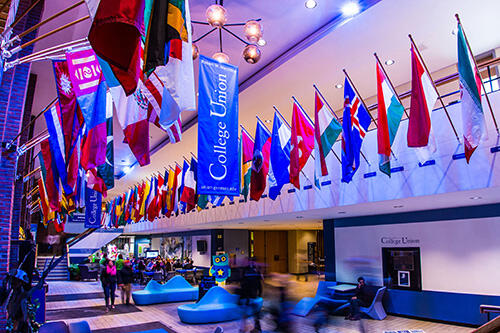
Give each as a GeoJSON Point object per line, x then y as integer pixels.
{"type": "Point", "coordinates": [218, 168]}
{"type": "Point", "coordinates": [93, 200]}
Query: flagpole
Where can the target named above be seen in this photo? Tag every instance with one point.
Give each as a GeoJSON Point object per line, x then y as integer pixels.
{"type": "Point", "coordinates": [67, 25]}
{"type": "Point", "coordinates": [361, 98]}
{"type": "Point", "coordinates": [51, 104]}
{"type": "Point", "coordinates": [36, 26]}
{"type": "Point", "coordinates": [282, 118]}
{"type": "Point", "coordinates": [477, 69]}
{"type": "Point", "coordinates": [262, 123]}
{"type": "Point", "coordinates": [243, 128]}
{"type": "Point", "coordinates": [326, 102]}
{"type": "Point", "coordinates": [366, 108]}
{"type": "Point", "coordinates": [338, 119]}
{"type": "Point", "coordinates": [434, 85]}
{"type": "Point", "coordinates": [304, 111]}
{"type": "Point", "coordinates": [390, 82]}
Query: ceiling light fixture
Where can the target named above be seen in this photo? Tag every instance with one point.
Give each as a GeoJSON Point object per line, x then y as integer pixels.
{"type": "Point", "coordinates": [310, 4]}
{"type": "Point", "coordinates": [351, 8]}
{"type": "Point", "coordinates": [126, 169]}
{"type": "Point", "coordinates": [476, 198]}
{"type": "Point", "coordinates": [389, 62]}
{"type": "Point", "coordinates": [267, 121]}
{"type": "Point", "coordinates": [398, 206]}
{"type": "Point", "coordinates": [342, 212]}
{"type": "Point", "coordinates": [339, 86]}
{"type": "Point", "coordinates": [300, 217]}
{"type": "Point", "coordinates": [216, 17]}
{"type": "Point", "coordinates": [262, 42]}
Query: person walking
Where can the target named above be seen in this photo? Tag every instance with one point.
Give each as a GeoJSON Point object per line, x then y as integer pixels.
{"type": "Point", "coordinates": [250, 288]}
{"type": "Point", "coordinates": [108, 282]}
{"type": "Point", "coordinates": [125, 278]}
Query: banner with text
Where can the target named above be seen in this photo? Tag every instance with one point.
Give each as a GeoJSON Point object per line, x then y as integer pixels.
{"type": "Point", "coordinates": [93, 200]}
{"type": "Point", "coordinates": [218, 168]}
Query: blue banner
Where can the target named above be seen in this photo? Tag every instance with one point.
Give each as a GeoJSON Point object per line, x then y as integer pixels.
{"type": "Point", "coordinates": [218, 159]}
{"type": "Point", "coordinates": [93, 200]}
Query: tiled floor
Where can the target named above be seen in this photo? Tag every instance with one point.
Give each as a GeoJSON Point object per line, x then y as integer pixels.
{"type": "Point", "coordinates": [166, 314]}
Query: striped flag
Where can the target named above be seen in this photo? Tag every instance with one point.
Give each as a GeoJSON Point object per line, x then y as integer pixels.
{"type": "Point", "coordinates": [390, 112]}
{"type": "Point", "coordinates": [473, 122]}
{"type": "Point", "coordinates": [326, 131]}
{"type": "Point", "coordinates": [279, 159]}
{"type": "Point", "coordinates": [423, 99]}
{"type": "Point", "coordinates": [260, 161]}
{"type": "Point", "coordinates": [189, 191]}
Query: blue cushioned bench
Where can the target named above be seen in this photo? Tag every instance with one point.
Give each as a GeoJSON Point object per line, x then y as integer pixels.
{"type": "Point", "coordinates": [323, 294]}
{"type": "Point", "coordinates": [216, 306]}
{"type": "Point", "coordinates": [177, 289]}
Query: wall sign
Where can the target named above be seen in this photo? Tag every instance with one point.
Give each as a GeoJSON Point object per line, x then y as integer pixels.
{"type": "Point", "coordinates": [93, 201]}
{"type": "Point", "coordinates": [399, 241]}
{"type": "Point", "coordinates": [218, 169]}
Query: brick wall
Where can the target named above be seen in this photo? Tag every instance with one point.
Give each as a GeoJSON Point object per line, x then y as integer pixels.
{"type": "Point", "coordinates": [12, 99]}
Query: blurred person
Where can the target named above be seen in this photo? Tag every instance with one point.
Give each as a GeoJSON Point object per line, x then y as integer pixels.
{"type": "Point", "coordinates": [188, 264]}
{"type": "Point", "coordinates": [141, 268]}
{"type": "Point", "coordinates": [250, 288]}
{"type": "Point", "coordinates": [108, 282]}
{"type": "Point", "coordinates": [104, 259]}
{"type": "Point", "coordinates": [125, 279]}
{"type": "Point", "coordinates": [281, 312]}
{"type": "Point", "coordinates": [119, 262]}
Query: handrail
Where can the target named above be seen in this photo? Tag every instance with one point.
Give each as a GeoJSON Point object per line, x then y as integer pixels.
{"type": "Point", "coordinates": [36, 256]}
{"type": "Point", "coordinates": [80, 236]}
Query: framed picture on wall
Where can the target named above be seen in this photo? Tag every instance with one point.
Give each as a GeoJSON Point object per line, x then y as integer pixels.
{"type": "Point", "coordinates": [401, 267]}
{"type": "Point", "coordinates": [404, 278]}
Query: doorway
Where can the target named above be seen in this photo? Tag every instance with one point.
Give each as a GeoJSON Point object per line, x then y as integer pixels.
{"type": "Point", "coordinates": [270, 248]}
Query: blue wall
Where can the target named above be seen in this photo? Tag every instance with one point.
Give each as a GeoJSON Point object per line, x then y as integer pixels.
{"type": "Point", "coordinates": [442, 306]}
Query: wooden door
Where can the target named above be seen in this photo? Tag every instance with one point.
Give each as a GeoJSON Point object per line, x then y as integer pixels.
{"type": "Point", "coordinates": [259, 247]}
{"type": "Point", "coordinates": [277, 251]}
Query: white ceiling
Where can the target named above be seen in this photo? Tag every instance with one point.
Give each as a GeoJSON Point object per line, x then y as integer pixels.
{"type": "Point", "coordinates": [382, 28]}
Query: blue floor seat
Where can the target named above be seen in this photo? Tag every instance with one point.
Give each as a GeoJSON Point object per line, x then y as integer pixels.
{"type": "Point", "coordinates": [177, 289]}
{"type": "Point", "coordinates": [376, 309]}
{"type": "Point", "coordinates": [216, 306]}
{"type": "Point", "coordinates": [323, 294]}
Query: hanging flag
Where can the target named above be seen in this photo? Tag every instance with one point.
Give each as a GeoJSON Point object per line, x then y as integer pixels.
{"type": "Point", "coordinates": [390, 112]}
{"type": "Point", "coordinates": [473, 122]}
{"type": "Point", "coordinates": [189, 191]}
{"type": "Point", "coordinates": [107, 170]}
{"type": "Point", "coordinates": [164, 192]}
{"type": "Point", "coordinates": [90, 91]}
{"type": "Point", "coordinates": [95, 182]}
{"type": "Point", "coordinates": [175, 198]}
{"type": "Point", "coordinates": [170, 185]}
{"type": "Point", "coordinates": [216, 200]}
{"type": "Point", "coordinates": [132, 112]}
{"type": "Point", "coordinates": [47, 213]}
{"type": "Point", "coordinates": [145, 200]}
{"type": "Point", "coordinates": [423, 99]}
{"type": "Point", "coordinates": [152, 200]}
{"type": "Point", "coordinates": [246, 156]}
{"type": "Point", "coordinates": [51, 178]}
{"type": "Point", "coordinates": [279, 159]}
{"type": "Point", "coordinates": [326, 131]}
{"type": "Point", "coordinates": [182, 204]}
{"type": "Point", "coordinates": [115, 36]}
{"type": "Point", "coordinates": [302, 141]}
{"type": "Point", "coordinates": [71, 119]}
{"type": "Point", "coordinates": [57, 147]}
{"type": "Point", "coordinates": [202, 201]}
{"type": "Point", "coordinates": [170, 88]}
{"type": "Point", "coordinates": [166, 29]}
{"type": "Point", "coordinates": [218, 170]}
{"type": "Point", "coordinates": [260, 161]}
{"type": "Point", "coordinates": [356, 121]}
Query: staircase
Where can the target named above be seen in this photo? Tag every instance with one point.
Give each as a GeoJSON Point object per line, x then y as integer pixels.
{"type": "Point", "coordinates": [58, 273]}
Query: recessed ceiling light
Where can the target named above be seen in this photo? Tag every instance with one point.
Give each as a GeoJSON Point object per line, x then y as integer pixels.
{"type": "Point", "coordinates": [351, 8]}
{"type": "Point", "coordinates": [300, 217]}
{"type": "Point", "coordinates": [454, 31]}
{"type": "Point", "coordinates": [475, 198]}
{"type": "Point", "coordinates": [262, 42]}
{"type": "Point", "coordinates": [310, 4]}
{"type": "Point", "coordinates": [342, 212]}
{"type": "Point", "coordinates": [398, 206]}
{"type": "Point", "coordinates": [389, 62]}
{"type": "Point", "coordinates": [338, 85]}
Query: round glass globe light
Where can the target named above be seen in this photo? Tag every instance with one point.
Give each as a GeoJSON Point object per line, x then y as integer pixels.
{"type": "Point", "coordinates": [251, 54]}
{"type": "Point", "coordinates": [216, 15]}
{"type": "Point", "coordinates": [221, 57]}
{"type": "Point", "coordinates": [253, 31]}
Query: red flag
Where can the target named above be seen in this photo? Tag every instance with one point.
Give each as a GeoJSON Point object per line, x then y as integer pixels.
{"type": "Point", "coordinates": [115, 36]}
{"type": "Point", "coordinates": [95, 182]}
{"type": "Point", "coordinates": [302, 141]}
{"type": "Point", "coordinates": [423, 98]}
{"type": "Point", "coordinates": [159, 194]}
{"type": "Point", "coordinates": [51, 183]}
